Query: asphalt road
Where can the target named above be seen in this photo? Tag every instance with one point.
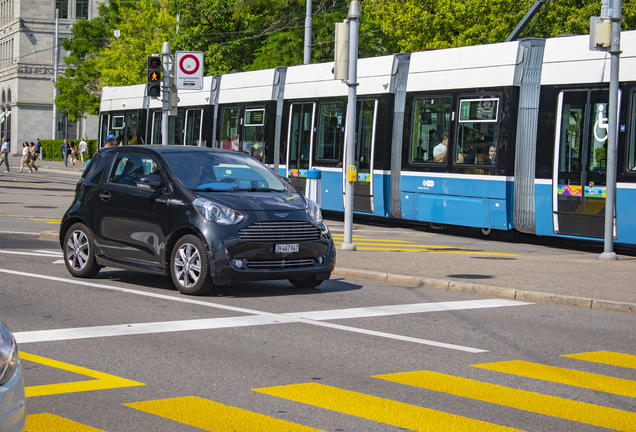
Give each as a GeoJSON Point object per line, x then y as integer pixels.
{"type": "Point", "coordinates": [124, 351]}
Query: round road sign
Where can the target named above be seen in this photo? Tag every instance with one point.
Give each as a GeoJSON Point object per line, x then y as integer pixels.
{"type": "Point", "coordinates": [189, 64]}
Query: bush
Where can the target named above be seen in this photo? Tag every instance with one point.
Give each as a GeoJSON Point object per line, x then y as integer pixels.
{"type": "Point", "coordinates": [51, 149]}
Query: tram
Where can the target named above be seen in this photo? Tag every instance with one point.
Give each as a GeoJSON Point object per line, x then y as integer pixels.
{"type": "Point", "coordinates": [502, 138]}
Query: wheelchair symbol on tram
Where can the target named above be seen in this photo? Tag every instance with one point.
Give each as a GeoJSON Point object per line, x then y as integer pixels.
{"type": "Point", "coordinates": [601, 123]}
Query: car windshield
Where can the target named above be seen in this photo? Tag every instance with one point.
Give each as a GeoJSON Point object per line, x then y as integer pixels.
{"type": "Point", "coordinates": [222, 172]}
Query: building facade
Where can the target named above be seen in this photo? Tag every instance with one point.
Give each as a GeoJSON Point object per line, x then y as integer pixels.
{"type": "Point", "coordinates": [27, 51]}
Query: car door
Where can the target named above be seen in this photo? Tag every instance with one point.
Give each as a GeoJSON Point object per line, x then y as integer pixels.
{"type": "Point", "coordinates": [125, 214]}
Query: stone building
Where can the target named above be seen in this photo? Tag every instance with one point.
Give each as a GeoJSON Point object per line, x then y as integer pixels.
{"type": "Point", "coordinates": [27, 47]}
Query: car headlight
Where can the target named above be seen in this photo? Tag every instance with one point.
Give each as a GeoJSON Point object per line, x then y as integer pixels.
{"type": "Point", "coordinates": [8, 355]}
{"type": "Point", "coordinates": [313, 211]}
{"type": "Point", "coordinates": [217, 213]}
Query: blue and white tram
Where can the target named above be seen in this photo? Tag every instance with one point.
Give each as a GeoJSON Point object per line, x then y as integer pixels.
{"type": "Point", "coordinates": [500, 137]}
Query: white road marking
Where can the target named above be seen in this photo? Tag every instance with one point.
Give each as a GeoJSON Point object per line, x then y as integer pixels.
{"type": "Point", "coordinates": [58, 262]}
{"type": "Point", "coordinates": [28, 253]}
{"type": "Point", "coordinates": [20, 232]}
{"type": "Point", "coordinates": [51, 252]}
{"type": "Point", "coordinates": [255, 317]}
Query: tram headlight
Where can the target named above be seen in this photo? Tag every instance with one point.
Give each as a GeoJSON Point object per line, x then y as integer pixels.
{"type": "Point", "coordinates": [8, 355]}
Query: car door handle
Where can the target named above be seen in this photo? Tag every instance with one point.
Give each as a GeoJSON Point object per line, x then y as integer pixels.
{"type": "Point", "coordinates": [105, 195]}
{"type": "Point", "coordinates": [173, 202]}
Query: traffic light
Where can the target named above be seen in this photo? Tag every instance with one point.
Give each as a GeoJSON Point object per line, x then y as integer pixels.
{"type": "Point", "coordinates": [154, 76]}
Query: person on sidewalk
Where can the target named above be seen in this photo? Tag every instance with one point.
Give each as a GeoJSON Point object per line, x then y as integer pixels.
{"type": "Point", "coordinates": [38, 148]}
{"type": "Point", "coordinates": [72, 151]}
{"type": "Point", "coordinates": [82, 149]}
{"type": "Point", "coordinates": [64, 150]}
{"type": "Point", "coordinates": [26, 157]}
{"type": "Point", "coordinates": [4, 154]}
{"type": "Point", "coordinates": [34, 157]}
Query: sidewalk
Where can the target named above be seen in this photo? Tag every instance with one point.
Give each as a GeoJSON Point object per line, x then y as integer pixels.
{"type": "Point", "coordinates": [550, 275]}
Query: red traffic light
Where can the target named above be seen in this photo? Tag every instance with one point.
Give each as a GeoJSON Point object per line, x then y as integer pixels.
{"type": "Point", "coordinates": [154, 62]}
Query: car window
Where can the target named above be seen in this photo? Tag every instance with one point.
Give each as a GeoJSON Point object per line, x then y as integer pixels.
{"type": "Point", "coordinates": [222, 171]}
{"type": "Point", "coordinates": [130, 167]}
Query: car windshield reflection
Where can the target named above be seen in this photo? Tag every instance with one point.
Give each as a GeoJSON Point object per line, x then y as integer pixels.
{"type": "Point", "coordinates": [222, 172]}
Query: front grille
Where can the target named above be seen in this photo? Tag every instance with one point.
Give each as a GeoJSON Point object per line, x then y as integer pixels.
{"type": "Point", "coordinates": [277, 232]}
{"type": "Point", "coordinates": [279, 264]}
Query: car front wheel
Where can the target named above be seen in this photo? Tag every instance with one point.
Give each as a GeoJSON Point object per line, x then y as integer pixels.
{"type": "Point", "coordinates": [79, 255]}
{"type": "Point", "coordinates": [189, 266]}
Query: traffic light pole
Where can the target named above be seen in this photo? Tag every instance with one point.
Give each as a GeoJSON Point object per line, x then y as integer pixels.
{"type": "Point", "coordinates": [165, 111]}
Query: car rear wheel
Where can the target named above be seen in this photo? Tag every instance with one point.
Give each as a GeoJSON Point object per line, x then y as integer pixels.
{"type": "Point", "coordinates": [189, 266]}
{"type": "Point", "coordinates": [311, 282]}
{"type": "Point", "coordinates": [79, 255]}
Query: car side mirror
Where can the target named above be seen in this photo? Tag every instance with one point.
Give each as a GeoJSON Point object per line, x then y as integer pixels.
{"type": "Point", "coordinates": [286, 180]}
{"type": "Point", "coordinates": [150, 181]}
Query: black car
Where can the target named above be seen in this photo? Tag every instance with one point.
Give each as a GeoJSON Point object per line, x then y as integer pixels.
{"type": "Point", "coordinates": [196, 214]}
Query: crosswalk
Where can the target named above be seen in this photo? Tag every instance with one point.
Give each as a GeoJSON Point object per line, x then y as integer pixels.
{"type": "Point", "coordinates": [214, 416]}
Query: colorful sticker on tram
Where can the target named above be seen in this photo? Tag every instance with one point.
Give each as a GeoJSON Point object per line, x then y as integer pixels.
{"type": "Point", "coordinates": [292, 173]}
{"type": "Point", "coordinates": [364, 177]}
{"type": "Point", "coordinates": [595, 192]}
{"type": "Point", "coordinates": [567, 190]}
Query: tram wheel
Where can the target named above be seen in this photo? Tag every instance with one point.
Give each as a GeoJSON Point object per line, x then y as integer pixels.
{"type": "Point", "coordinates": [486, 231]}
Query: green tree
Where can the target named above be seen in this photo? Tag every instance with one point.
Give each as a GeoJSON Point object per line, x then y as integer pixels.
{"type": "Point", "coordinates": [416, 25]}
{"type": "Point", "coordinates": [143, 29]}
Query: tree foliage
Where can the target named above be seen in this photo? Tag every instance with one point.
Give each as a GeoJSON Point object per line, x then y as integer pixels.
{"type": "Point", "coordinates": [248, 35]}
{"type": "Point", "coordinates": [416, 25]}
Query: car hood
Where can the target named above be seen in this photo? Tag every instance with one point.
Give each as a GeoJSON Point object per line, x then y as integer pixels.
{"type": "Point", "coordinates": [258, 201]}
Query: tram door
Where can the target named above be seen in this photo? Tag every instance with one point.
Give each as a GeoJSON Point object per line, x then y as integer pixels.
{"type": "Point", "coordinates": [299, 144]}
{"type": "Point", "coordinates": [579, 186]}
{"type": "Point", "coordinates": [365, 140]}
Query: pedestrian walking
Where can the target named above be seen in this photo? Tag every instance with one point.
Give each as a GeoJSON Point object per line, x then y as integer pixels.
{"type": "Point", "coordinates": [82, 149]}
{"type": "Point", "coordinates": [26, 157]}
{"type": "Point", "coordinates": [4, 153]}
{"type": "Point", "coordinates": [38, 149]}
{"type": "Point", "coordinates": [34, 157]}
{"type": "Point", "coordinates": [64, 150]}
{"type": "Point", "coordinates": [72, 152]}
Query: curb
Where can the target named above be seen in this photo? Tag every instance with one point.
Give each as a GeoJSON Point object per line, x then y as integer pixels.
{"type": "Point", "coordinates": [509, 293]}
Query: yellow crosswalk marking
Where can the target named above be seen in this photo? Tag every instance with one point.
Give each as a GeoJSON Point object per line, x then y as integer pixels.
{"type": "Point", "coordinates": [570, 377]}
{"type": "Point", "coordinates": [214, 416]}
{"type": "Point", "coordinates": [607, 357]}
{"type": "Point", "coordinates": [520, 399]}
{"type": "Point", "coordinates": [378, 409]}
{"type": "Point", "coordinates": [52, 423]}
{"type": "Point", "coordinates": [102, 380]}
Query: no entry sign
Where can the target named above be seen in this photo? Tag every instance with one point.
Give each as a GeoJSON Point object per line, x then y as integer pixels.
{"type": "Point", "coordinates": [189, 65]}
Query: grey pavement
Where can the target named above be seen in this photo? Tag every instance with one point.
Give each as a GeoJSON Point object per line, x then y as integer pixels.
{"type": "Point", "coordinates": [535, 273]}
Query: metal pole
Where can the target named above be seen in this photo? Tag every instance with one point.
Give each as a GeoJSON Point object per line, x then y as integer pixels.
{"type": "Point", "coordinates": [54, 126]}
{"type": "Point", "coordinates": [307, 59]}
{"type": "Point", "coordinates": [354, 18]}
{"type": "Point", "coordinates": [612, 137]}
{"type": "Point", "coordinates": [165, 110]}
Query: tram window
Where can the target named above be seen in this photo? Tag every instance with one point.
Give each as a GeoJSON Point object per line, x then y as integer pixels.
{"type": "Point", "coordinates": [254, 132]}
{"type": "Point", "coordinates": [631, 152]}
{"type": "Point", "coordinates": [330, 132]}
{"type": "Point", "coordinates": [118, 122]}
{"type": "Point", "coordinates": [156, 128]}
{"type": "Point", "coordinates": [478, 131]}
{"type": "Point", "coordinates": [132, 130]}
{"type": "Point", "coordinates": [193, 127]}
{"type": "Point", "coordinates": [229, 129]}
{"type": "Point", "coordinates": [431, 124]}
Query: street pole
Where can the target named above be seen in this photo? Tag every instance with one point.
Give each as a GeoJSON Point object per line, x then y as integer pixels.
{"type": "Point", "coordinates": [165, 93]}
{"type": "Point", "coordinates": [354, 18]}
{"type": "Point", "coordinates": [307, 59]}
{"type": "Point", "coordinates": [54, 126]}
{"type": "Point", "coordinates": [612, 137]}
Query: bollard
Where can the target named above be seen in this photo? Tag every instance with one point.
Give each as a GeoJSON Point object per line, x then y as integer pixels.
{"type": "Point", "coordinates": [313, 185]}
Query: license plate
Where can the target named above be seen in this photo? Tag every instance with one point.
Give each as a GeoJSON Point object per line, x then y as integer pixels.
{"type": "Point", "coordinates": [286, 248]}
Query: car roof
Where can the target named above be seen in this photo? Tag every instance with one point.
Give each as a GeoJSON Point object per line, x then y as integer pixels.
{"type": "Point", "coordinates": [170, 149]}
